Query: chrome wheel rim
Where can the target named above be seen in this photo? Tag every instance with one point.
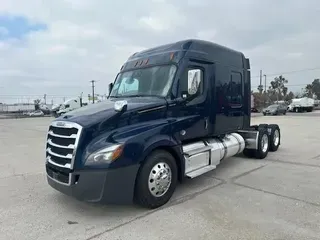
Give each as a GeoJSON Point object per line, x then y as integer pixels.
{"type": "Point", "coordinates": [264, 143]}
{"type": "Point", "coordinates": [160, 179]}
{"type": "Point", "coordinates": [276, 137]}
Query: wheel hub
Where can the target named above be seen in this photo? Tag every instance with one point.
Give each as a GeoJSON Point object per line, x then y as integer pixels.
{"type": "Point", "coordinates": [159, 179]}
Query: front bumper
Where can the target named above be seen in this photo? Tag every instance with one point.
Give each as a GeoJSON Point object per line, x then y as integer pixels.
{"type": "Point", "coordinates": [114, 186]}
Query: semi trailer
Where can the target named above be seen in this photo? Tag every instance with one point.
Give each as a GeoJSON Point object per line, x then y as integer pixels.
{"type": "Point", "coordinates": [173, 112]}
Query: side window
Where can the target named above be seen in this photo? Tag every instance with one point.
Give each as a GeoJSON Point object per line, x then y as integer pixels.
{"type": "Point", "coordinates": [235, 89]}
{"type": "Point", "coordinates": [191, 82]}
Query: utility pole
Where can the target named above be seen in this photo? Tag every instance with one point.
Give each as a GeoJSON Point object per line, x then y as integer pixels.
{"type": "Point", "coordinates": [260, 87]}
{"type": "Point", "coordinates": [81, 99]}
{"type": "Point", "coordinates": [92, 84]}
{"type": "Point", "coordinates": [45, 98]}
{"type": "Point", "coordinates": [265, 89]}
{"type": "Point", "coordinates": [260, 77]}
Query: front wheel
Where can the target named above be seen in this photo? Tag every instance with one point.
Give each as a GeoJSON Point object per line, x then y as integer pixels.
{"type": "Point", "coordinates": [157, 180]}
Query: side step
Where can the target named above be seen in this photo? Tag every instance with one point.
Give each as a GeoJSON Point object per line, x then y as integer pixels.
{"type": "Point", "coordinates": [200, 171]}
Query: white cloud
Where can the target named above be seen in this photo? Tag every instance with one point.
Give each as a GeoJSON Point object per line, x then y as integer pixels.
{"type": "Point", "coordinates": [92, 39]}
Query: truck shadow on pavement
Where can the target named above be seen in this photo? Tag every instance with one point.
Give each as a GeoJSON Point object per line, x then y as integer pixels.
{"type": "Point", "coordinates": [188, 190]}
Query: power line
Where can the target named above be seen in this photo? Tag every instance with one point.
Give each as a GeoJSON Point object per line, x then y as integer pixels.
{"type": "Point", "coordinates": [289, 72]}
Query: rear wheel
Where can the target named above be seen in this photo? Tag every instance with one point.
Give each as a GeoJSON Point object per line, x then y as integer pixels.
{"type": "Point", "coordinates": [263, 144]}
{"type": "Point", "coordinates": [274, 137]}
{"type": "Point", "coordinates": [157, 180]}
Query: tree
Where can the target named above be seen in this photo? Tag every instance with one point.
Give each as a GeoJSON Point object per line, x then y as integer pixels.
{"type": "Point", "coordinates": [260, 89]}
{"type": "Point", "coordinates": [37, 104]}
{"type": "Point", "coordinates": [316, 87]}
{"type": "Point", "coordinates": [278, 87]}
{"type": "Point", "coordinates": [308, 91]}
{"type": "Point", "coordinates": [258, 100]}
{"type": "Point", "coordinates": [289, 96]}
{"type": "Point", "coordinates": [312, 89]}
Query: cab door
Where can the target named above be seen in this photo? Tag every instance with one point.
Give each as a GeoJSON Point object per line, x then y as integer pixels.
{"type": "Point", "coordinates": [192, 101]}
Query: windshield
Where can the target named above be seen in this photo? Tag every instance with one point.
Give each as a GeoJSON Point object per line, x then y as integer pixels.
{"type": "Point", "coordinates": [272, 106]}
{"type": "Point", "coordinates": [151, 81]}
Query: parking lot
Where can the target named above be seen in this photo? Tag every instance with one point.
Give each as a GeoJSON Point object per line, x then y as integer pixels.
{"type": "Point", "coordinates": [275, 198]}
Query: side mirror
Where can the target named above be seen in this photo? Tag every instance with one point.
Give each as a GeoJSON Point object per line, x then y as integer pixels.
{"type": "Point", "coordinates": [194, 80]}
{"type": "Point", "coordinates": [110, 87]}
{"type": "Point", "coordinates": [121, 106]}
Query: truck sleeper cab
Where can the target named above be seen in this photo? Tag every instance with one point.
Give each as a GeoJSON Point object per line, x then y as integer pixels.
{"type": "Point", "coordinates": [173, 112]}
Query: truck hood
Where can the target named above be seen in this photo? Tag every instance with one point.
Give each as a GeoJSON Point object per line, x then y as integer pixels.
{"type": "Point", "coordinates": [102, 111]}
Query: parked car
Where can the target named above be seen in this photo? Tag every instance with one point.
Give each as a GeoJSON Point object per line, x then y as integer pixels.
{"type": "Point", "coordinates": [36, 113]}
{"type": "Point", "coordinates": [275, 109]}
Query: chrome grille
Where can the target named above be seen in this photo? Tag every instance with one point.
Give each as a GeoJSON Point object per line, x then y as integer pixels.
{"type": "Point", "coordinates": [62, 141]}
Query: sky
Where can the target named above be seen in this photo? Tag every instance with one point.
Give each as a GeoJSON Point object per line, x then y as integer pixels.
{"type": "Point", "coordinates": [57, 47]}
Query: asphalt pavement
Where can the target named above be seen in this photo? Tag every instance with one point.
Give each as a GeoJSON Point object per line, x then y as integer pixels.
{"type": "Point", "coordinates": [275, 198]}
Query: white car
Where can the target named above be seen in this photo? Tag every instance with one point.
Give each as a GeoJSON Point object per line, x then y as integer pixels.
{"type": "Point", "coordinates": [36, 113]}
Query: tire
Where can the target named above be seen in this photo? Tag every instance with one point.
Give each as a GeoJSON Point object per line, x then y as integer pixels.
{"type": "Point", "coordinates": [249, 153]}
{"type": "Point", "coordinates": [255, 127]}
{"type": "Point", "coordinates": [285, 112]}
{"type": "Point", "coordinates": [263, 125]}
{"type": "Point", "coordinates": [261, 152]}
{"type": "Point", "coordinates": [263, 143]}
{"type": "Point", "coordinates": [158, 161]}
{"type": "Point", "coordinates": [274, 137]}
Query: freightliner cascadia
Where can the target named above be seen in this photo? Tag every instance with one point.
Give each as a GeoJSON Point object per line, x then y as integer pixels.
{"type": "Point", "coordinates": [173, 112]}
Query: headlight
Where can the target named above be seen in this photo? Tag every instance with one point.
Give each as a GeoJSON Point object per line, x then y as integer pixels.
{"type": "Point", "coordinates": [105, 155]}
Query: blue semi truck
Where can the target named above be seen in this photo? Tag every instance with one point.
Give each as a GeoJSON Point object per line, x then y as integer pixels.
{"type": "Point", "coordinates": [173, 112]}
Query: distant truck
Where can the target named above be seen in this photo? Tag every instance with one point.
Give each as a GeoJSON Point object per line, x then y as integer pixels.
{"type": "Point", "coordinates": [174, 112]}
{"type": "Point", "coordinates": [67, 106]}
{"type": "Point", "coordinates": [304, 104]}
